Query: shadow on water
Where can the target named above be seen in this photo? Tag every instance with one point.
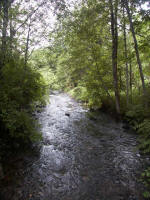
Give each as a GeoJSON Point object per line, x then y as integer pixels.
{"type": "Point", "coordinates": [82, 157]}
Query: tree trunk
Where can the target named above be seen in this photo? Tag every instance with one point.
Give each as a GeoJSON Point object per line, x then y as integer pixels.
{"type": "Point", "coordinates": [11, 35]}
{"type": "Point", "coordinates": [0, 7]}
{"type": "Point", "coordinates": [120, 79]}
{"type": "Point", "coordinates": [136, 48]}
{"type": "Point", "coordinates": [27, 44]}
{"type": "Point", "coordinates": [5, 4]}
{"type": "Point", "coordinates": [0, 21]}
{"type": "Point", "coordinates": [114, 32]}
{"type": "Point", "coordinates": [131, 80]}
{"type": "Point", "coordinates": [100, 76]}
{"type": "Point", "coordinates": [126, 58]}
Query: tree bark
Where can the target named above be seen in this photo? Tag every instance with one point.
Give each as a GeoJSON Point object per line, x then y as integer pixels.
{"type": "Point", "coordinates": [0, 7]}
{"type": "Point", "coordinates": [126, 58]}
{"type": "Point", "coordinates": [11, 35]}
{"type": "Point", "coordinates": [114, 32]}
{"type": "Point", "coordinates": [136, 48]}
{"type": "Point", "coordinates": [120, 79]}
{"type": "Point", "coordinates": [0, 19]}
{"type": "Point", "coordinates": [131, 80]}
{"type": "Point", "coordinates": [5, 5]}
{"type": "Point", "coordinates": [100, 76]}
{"type": "Point", "coordinates": [27, 44]}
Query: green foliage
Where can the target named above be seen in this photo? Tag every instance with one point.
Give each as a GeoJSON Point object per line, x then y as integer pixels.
{"type": "Point", "coordinates": [146, 180]}
{"type": "Point", "coordinates": [20, 88]}
{"type": "Point", "coordinates": [139, 118]}
{"type": "Point", "coordinates": [89, 99]}
{"type": "Point", "coordinates": [144, 131]}
{"type": "Point", "coordinates": [135, 115]}
{"type": "Point", "coordinates": [146, 194]}
{"type": "Point", "coordinates": [45, 63]}
{"type": "Point", "coordinates": [80, 93]}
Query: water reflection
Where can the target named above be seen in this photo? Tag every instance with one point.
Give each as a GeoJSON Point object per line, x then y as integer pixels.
{"type": "Point", "coordinates": [79, 159]}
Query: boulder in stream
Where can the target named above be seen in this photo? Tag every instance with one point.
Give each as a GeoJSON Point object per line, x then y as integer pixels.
{"type": "Point", "coordinates": [67, 114]}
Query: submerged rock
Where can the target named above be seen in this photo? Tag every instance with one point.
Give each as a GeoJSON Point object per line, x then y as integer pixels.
{"type": "Point", "coordinates": [67, 114]}
{"type": "Point", "coordinates": [55, 92]}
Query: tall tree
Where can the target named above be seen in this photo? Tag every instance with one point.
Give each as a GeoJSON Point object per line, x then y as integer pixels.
{"type": "Point", "coordinates": [135, 46]}
{"type": "Point", "coordinates": [114, 31]}
{"type": "Point", "coordinates": [126, 57]}
{"type": "Point", "coordinates": [5, 7]}
{"type": "Point", "coordinates": [27, 43]}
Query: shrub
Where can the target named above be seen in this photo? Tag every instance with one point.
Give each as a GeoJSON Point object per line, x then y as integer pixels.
{"type": "Point", "coordinates": [20, 88]}
{"type": "Point", "coordinates": [146, 180]}
{"type": "Point", "coordinates": [139, 117]}
{"type": "Point", "coordinates": [144, 131]}
{"type": "Point", "coordinates": [89, 97]}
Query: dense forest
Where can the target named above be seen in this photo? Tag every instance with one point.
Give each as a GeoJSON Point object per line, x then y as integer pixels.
{"type": "Point", "coordinates": [97, 51]}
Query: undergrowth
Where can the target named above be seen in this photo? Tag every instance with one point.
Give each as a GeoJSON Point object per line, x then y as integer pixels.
{"type": "Point", "coordinates": [138, 116]}
{"type": "Point", "coordinates": [20, 88]}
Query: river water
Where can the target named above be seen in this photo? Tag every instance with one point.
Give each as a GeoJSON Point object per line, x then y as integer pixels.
{"type": "Point", "coordinates": [81, 158]}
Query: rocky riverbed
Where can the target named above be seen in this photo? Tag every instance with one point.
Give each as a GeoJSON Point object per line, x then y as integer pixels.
{"type": "Point", "coordinates": [79, 158]}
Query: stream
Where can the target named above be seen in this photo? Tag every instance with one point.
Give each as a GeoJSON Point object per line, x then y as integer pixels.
{"type": "Point", "coordinates": [80, 158]}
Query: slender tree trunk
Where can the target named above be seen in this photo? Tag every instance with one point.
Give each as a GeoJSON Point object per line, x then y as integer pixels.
{"type": "Point", "coordinates": [0, 19]}
{"type": "Point", "coordinates": [5, 4]}
{"type": "Point", "coordinates": [126, 58]}
{"type": "Point", "coordinates": [99, 75]}
{"type": "Point", "coordinates": [120, 78]}
{"type": "Point", "coordinates": [136, 48]}
{"type": "Point", "coordinates": [11, 35]}
{"type": "Point", "coordinates": [0, 7]}
{"type": "Point", "coordinates": [131, 80]}
{"type": "Point", "coordinates": [27, 44]}
{"type": "Point", "coordinates": [114, 31]}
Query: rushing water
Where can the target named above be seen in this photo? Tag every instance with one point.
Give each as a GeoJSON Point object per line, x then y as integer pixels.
{"type": "Point", "coordinates": [81, 158]}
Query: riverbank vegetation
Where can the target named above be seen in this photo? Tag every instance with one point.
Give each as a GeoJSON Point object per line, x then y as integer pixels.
{"type": "Point", "coordinates": [20, 85]}
{"type": "Point", "coordinates": [23, 87]}
{"type": "Point", "coordinates": [98, 52]}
